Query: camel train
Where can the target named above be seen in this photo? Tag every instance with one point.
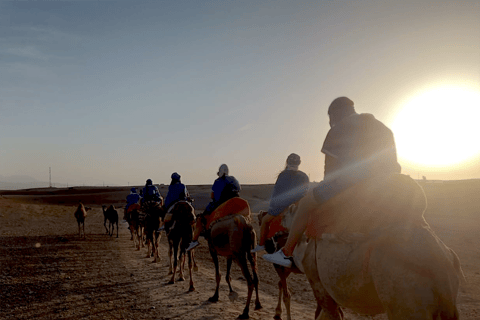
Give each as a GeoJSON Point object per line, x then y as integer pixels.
{"type": "Point", "coordinates": [367, 251]}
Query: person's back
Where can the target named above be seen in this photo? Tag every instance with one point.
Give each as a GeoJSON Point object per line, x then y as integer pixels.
{"type": "Point", "coordinates": [133, 198]}
{"type": "Point", "coordinates": [150, 192]}
{"type": "Point", "coordinates": [176, 191]}
{"type": "Point", "coordinates": [360, 144]}
{"type": "Point", "coordinates": [290, 187]}
{"type": "Point", "coordinates": [224, 188]}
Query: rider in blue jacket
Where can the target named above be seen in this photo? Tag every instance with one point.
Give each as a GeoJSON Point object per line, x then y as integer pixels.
{"type": "Point", "coordinates": [176, 191]}
{"type": "Point", "coordinates": [150, 192]}
{"type": "Point", "coordinates": [224, 188]}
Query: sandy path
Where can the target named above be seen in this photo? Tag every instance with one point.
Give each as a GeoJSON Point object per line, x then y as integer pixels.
{"type": "Point", "coordinates": [49, 272]}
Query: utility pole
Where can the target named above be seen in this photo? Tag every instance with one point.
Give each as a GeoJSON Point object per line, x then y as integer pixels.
{"type": "Point", "coordinates": [50, 176]}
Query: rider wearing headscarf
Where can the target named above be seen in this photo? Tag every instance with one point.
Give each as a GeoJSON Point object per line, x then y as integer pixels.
{"type": "Point", "coordinates": [224, 188]}
{"type": "Point", "coordinates": [132, 198]}
{"type": "Point", "coordinates": [176, 191]}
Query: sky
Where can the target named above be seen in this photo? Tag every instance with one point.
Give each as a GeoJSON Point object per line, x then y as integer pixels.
{"type": "Point", "coordinates": [118, 92]}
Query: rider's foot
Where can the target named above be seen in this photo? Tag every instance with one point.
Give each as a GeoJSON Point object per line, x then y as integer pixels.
{"type": "Point", "coordinates": [161, 228]}
{"type": "Point", "coordinates": [192, 245]}
{"type": "Point", "coordinates": [278, 258]}
{"type": "Point", "coordinates": [257, 249]}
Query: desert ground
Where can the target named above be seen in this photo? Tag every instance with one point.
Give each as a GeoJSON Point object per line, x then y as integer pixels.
{"type": "Point", "coordinates": [48, 271]}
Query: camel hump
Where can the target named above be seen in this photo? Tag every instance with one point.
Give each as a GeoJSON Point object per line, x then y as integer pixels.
{"type": "Point", "coordinates": [235, 205]}
{"type": "Point", "coordinates": [373, 204]}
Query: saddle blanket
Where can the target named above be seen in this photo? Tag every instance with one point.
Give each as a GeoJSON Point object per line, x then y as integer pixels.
{"type": "Point", "coordinates": [276, 226]}
{"type": "Point", "coordinates": [132, 207]}
{"type": "Point", "coordinates": [232, 206]}
{"type": "Point", "coordinates": [371, 205]}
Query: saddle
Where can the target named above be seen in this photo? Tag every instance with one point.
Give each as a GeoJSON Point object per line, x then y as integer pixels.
{"type": "Point", "coordinates": [132, 207]}
{"type": "Point", "coordinates": [369, 206]}
{"type": "Point", "coordinates": [230, 207]}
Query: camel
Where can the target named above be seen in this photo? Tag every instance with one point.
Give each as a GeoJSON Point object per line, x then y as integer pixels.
{"type": "Point", "coordinates": [272, 245]}
{"type": "Point", "coordinates": [133, 219]}
{"type": "Point", "coordinates": [112, 216]}
{"type": "Point", "coordinates": [180, 233]}
{"type": "Point", "coordinates": [80, 214]}
{"type": "Point", "coordinates": [154, 214]}
{"type": "Point", "coordinates": [233, 237]}
{"type": "Point", "coordinates": [372, 252]}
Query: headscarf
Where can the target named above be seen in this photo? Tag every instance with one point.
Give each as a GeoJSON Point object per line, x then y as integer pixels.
{"type": "Point", "coordinates": [222, 171]}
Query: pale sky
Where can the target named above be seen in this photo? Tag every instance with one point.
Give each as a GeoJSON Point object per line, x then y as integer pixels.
{"type": "Point", "coordinates": [119, 92]}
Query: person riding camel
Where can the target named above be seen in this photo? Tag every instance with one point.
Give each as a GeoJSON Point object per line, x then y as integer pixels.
{"type": "Point", "coordinates": [177, 191]}
{"type": "Point", "coordinates": [132, 198]}
{"type": "Point", "coordinates": [290, 187]}
{"type": "Point", "coordinates": [150, 192]}
{"type": "Point", "coordinates": [357, 147]}
{"type": "Point", "coordinates": [224, 188]}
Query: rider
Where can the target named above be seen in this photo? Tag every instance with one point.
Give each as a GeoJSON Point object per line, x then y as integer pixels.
{"type": "Point", "coordinates": [132, 198]}
{"type": "Point", "coordinates": [224, 188]}
{"type": "Point", "coordinates": [176, 191]}
{"type": "Point", "coordinates": [150, 192]}
{"type": "Point", "coordinates": [291, 186]}
{"type": "Point", "coordinates": [357, 147]}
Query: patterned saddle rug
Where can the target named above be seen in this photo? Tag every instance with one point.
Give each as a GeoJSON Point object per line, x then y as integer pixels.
{"type": "Point", "coordinates": [232, 206]}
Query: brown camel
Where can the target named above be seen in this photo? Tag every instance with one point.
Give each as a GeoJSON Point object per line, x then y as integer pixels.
{"type": "Point", "coordinates": [180, 233]}
{"type": "Point", "coordinates": [134, 225]}
{"type": "Point", "coordinates": [374, 253]}
{"type": "Point", "coordinates": [80, 214]}
{"type": "Point", "coordinates": [272, 245]}
{"type": "Point", "coordinates": [233, 237]}
{"type": "Point", "coordinates": [153, 217]}
{"type": "Point", "coordinates": [110, 215]}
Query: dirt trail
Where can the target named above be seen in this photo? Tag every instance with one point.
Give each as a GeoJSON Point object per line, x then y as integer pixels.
{"type": "Point", "coordinates": [48, 272]}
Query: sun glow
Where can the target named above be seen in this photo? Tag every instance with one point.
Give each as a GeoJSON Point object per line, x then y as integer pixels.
{"type": "Point", "coordinates": [440, 127]}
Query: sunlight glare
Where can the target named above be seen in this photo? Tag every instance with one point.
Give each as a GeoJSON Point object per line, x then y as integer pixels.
{"type": "Point", "coordinates": [439, 127]}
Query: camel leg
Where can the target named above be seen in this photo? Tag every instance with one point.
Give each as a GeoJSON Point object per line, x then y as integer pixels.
{"type": "Point", "coordinates": [278, 309]}
{"type": "Point", "coordinates": [117, 229]}
{"type": "Point", "coordinates": [228, 278]}
{"type": "Point", "coordinates": [83, 227]}
{"type": "Point", "coordinates": [242, 262]}
{"type": "Point", "coordinates": [286, 293]}
{"type": "Point", "coordinates": [148, 247]}
{"type": "Point", "coordinates": [214, 298]}
{"type": "Point", "coordinates": [252, 257]}
{"type": "Point", "coordinates": [190, 267]}
{"type": "Point", "coordinates": [156, 254]}
{"type": "Point", "coordinates": [175, 262]}
{"type": "Point", "coordinates": [105, 225]}
{"type": "Point", "coordinates": [181, 260]}
{"type": "Point", "coordinates": [195, 267]}
{"type": "Point", "coordinates": [170, 255]}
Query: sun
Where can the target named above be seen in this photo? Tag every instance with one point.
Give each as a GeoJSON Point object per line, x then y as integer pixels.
{"type": "Point", "coordinates": [439, 127]}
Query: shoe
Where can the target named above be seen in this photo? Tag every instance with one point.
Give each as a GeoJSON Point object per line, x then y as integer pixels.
{"type": "Point", "coordinates": [192, 245]}
{"type": "Point", "coordinates": [161, 228]}
{"type": "Point", "coordinates": [257, 249]}
{"type": "Point", "coordinates": [278, 258]}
